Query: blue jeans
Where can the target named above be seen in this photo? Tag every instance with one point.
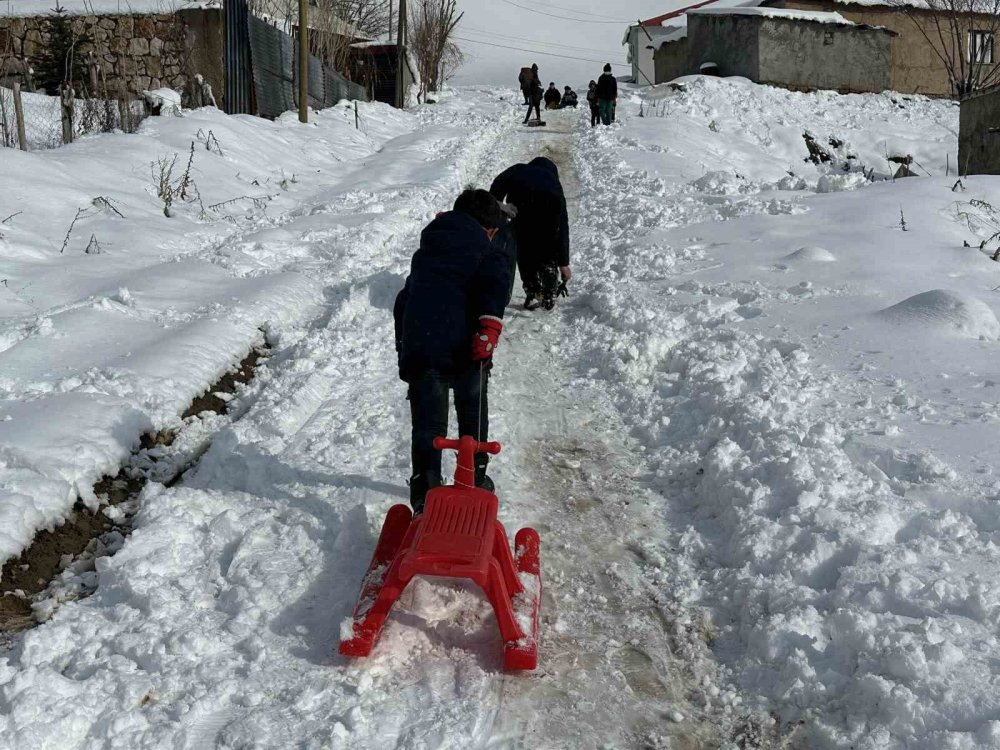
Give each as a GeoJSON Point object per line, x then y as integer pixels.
{"type": "Point", "coordinates": [607, 110]}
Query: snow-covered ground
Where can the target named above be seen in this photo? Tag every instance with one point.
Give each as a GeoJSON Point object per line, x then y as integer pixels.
{"type": "Point", "coordinates": [756, 439]}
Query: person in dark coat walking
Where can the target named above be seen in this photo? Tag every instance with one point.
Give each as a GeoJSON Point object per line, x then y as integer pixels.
{"type": "Point", "coordinates": [552, 96]}
{"type": "Point", "coordinates": [541, 228]}
{"type": "Point", "coordinates": [448, 320]}
{"type": "Point", "coordinates": [607, 95]}
{"type": "Point", "coordinates": [595, 111]}
{"type": "Point", "coordinates": [525, 78]}
{"type": "Point", "coordinates": [535, 94]}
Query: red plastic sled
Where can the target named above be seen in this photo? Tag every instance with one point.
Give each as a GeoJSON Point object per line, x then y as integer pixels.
{"type": "Point", "coordinates": [457, 536]}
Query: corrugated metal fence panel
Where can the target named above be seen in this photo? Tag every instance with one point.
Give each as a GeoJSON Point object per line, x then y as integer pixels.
{"type": "Point", "coordinates": [317, 87]}
{"type": "Point", "coordinates": [337, 87]}
{"type": "Point", "coordinates": [237, 97]}
{"type": "Point", "coordinates": [272, 69]}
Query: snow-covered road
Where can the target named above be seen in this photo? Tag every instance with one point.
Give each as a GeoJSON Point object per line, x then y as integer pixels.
{"type": "Point", "coordinates": [767, 518]}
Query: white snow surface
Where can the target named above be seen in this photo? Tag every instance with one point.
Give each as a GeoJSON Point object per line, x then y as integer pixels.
{"type": "Point", "coordinates": [816, 16]}
{"type": "Point", "coordinates": [101, 7]}
{"type": "Point", "coordinates": [758, 442]}
{"type": "Point", "coordinates": [98, 347]}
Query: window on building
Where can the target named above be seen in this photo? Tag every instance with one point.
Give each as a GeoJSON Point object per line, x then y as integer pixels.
{"type": "Point", "coordinates": [981, 46]}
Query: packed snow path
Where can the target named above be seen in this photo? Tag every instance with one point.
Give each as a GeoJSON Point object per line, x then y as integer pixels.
{"type": "Point", "coordinates": [218, 622]}
{"type": "Point", "coordinates": [756, 441]}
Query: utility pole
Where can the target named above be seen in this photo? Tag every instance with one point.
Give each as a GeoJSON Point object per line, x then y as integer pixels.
{"type": "Point", "coordinates": [303, 60]}
{"type": "Point", "coordinates": [401, 57]}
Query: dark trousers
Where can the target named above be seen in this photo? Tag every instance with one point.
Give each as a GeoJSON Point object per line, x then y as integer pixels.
{"type": "Point", "coordinates": [538, 112]}
{"type": "Point", "coordinates": [607, 108]}
{"type": "Point", "coordinates": [428, 397]}
{"type": "Point", "coordinates": [595, 115]}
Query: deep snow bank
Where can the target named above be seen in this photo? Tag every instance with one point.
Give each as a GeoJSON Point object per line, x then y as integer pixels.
{"type": "Point", "coordinates": [830, 470]}
{"type": "Point", "coordinates": [114, 316]}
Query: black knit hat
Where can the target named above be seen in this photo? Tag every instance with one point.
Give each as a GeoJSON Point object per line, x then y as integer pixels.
{"type": "Point", "coordinates": [607, 67]}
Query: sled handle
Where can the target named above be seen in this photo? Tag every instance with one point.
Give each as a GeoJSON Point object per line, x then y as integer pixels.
{"type": "Point", "coordinates": [442, 443]}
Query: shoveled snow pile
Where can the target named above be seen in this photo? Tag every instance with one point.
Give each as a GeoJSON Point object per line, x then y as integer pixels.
{"type": "Point", "coordinates": [825, 431]}
{"type": "Point", "coordinates": [947, 310]}
{"type": "Point", "coordinates": [810, 254]}
{"type": "Point", "coordinates": [114, 316]}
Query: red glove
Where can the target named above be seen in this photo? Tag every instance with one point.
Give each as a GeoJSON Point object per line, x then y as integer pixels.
{"type": "Point", "coordinates": [484, 343]}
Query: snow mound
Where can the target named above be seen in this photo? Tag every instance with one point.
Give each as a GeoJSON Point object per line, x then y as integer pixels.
{"type": "Point", "coordinates": [838, 183]}
{"type": "Point", "coordinates": [949, 310]}
{"type": "Point", "coordinates": [810, 254]}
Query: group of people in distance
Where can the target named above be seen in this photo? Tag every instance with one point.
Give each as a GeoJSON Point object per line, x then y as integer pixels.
{"type": "Point", "coordinates": [449, 314]}
{"type": "Point", "coordinates": [602, 95]}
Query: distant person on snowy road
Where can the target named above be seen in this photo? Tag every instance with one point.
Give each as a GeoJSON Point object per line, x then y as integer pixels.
{"type": "Point", "coordinates": [541, 228]}
{"type": "Point", "coordinates": [595, 111]}
{"type": "Point", "coordinates": [607, 95]}
{"type": "Point", "coordinates": [535, 103]}
{"type": "Point", "coordinates": [525, 79]}
{"type": "Point", "coordinates": [448, 320]}
{"type": "Point", "coordinates": [552, 96]}
{"type": "Point", "coordinates": [569, 98]}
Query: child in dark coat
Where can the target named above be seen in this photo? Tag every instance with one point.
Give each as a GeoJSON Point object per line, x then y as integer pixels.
{"type": "Point", "coordinates": [448, 319]}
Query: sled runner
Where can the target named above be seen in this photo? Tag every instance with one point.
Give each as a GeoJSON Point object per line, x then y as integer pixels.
{"type": "Point", "coordinates": [535, 123]}
{"type": "Point", "coordinates": [457, 536]}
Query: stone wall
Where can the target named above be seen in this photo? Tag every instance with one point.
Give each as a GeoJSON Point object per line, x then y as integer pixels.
{"type": "Point", "coordinates": [134, 52]}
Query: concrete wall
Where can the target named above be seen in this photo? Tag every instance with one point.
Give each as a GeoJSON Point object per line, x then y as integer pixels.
{"type": "Point", "coordinates": [139, 52]}
{"type": "Point", "coordinates": [730, 41]}
{"type": "Point", "coordinates": [671, 61]}
{"type": "Point", "coordinates": [643, 64]}
{"type": "Point", "coordinates": [979, 133]}
{"type": "Point", "coordinates": [807, 56]}
{"type": "Point", "coordinates": [916, 67]}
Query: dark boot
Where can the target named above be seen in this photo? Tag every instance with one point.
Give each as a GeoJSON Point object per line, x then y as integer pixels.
{"type": "Point", "coordinates": [420, 485]}
{"type": "Point", "coordinates": [483, 482]}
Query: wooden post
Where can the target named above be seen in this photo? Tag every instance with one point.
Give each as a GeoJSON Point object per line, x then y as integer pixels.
{"type": "Point", "coordinates": [400, 56]}
{"type": "Point", "coordinates": [66, 95]}
{"type": "Point", "coordinates": [22, 139]}
{"type": "Point", "coordinates": [356, 125]}
{"type": "Point", "coordinates": [303, 61]}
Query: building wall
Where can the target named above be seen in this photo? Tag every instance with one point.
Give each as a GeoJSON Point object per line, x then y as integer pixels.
{"type": "Point", "coordinates": [916, 67]}
{"type": "Point", "coordinates": [643, 64]}
{"type": "Point", "coordinates": [671, 61]}
{"type": "Point", "coordinates": [979, 134]}
{"type": "Point", "coordinates": [137, 52]}
{"type": "Point", "coordinates": [729, 41]}
{"type": "Point", "coordinates": [807, 55]}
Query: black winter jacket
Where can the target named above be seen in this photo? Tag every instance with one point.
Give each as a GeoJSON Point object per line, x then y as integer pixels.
{"type": "Point", "coordinates": [455, 277]}
{"type": "Point", "coordinates": [607, 87]}
{"type": "Point", "coordinates": [552, 96]}
{"type": "Point", "coordinates": [542, 223]}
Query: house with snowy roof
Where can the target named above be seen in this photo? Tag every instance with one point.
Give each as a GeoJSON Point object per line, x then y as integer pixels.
{"type": "Point", "coordinates": [936, 49]}
{"type": "Point", "coordinates": [927, 31]}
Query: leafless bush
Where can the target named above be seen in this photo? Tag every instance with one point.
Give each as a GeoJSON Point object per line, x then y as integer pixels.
{"type": "Point", "coordinates": [169, 190]}
{"type": "Point", "coordinates": [431, 24]}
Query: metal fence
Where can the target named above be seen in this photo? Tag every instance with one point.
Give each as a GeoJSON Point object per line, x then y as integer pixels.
{"type": "Point", "coordinates": [274, 57]}
{"type": "Point", "coordinates": [46, 123]}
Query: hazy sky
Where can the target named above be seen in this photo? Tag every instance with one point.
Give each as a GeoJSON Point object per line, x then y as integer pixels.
{"type": "Point", "coordinates": [543, 27]}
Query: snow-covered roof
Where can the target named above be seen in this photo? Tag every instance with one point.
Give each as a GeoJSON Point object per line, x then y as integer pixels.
{"type": "Point", "coordinates": [814, 16]}
{"type": "Point", "coordinates": [676, 34]}
{"type": "Point", "coordinates": [27, 8]}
